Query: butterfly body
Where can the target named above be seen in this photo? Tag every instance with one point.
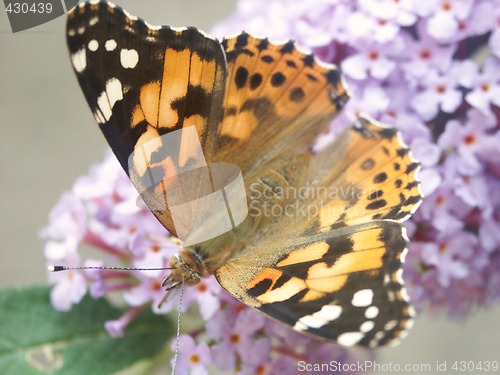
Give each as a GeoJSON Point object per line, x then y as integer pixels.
{"type": "Point", "coordinates": [322, 245]}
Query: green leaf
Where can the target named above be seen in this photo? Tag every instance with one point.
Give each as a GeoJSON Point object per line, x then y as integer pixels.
{"type": "Point", "coordinates": [36, 339]}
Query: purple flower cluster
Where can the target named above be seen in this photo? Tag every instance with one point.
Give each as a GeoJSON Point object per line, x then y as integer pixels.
{"type": "Point", "coordinates": [430, 68]}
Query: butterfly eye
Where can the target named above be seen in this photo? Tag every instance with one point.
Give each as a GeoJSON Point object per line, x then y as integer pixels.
{"type": "Point", "coordinates": [193, 279]}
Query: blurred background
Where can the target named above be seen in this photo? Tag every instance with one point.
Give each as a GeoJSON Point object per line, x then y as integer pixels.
{"type": "Point", "coordinates": [48, 138]}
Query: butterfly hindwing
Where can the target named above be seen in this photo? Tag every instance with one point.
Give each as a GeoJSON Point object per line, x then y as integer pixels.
{"type": "Point", "coordinates": [345, 285]}
{"type": "Point", "coordinates": [142, 82]}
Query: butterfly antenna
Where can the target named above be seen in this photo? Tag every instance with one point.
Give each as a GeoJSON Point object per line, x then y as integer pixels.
{"type": "Point", "coordinates": [177, 337]}
{"type": "Point", "coordinates": [64, 268]}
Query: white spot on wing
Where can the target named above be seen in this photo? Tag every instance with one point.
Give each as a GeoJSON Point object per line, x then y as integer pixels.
{"type": "Point", "coordinates": [373, 343]}
{"type": "Point", "coordinates": [93, 21]}
{"type": "Point", "coordinates": [367, 326]}
{"type": "Point", "coordinates": [371, 312]}
{"type": "Point", "coordinates": [99, 118]}
{"type": "Point", "coordinates": [409, 324]}
{"type": "Point", "coordinates": [80, 30]}
{"type": "Point", "coordinates": [103, 104]}
{"type": "Point", "coordinates": [110, 45]}
{"type": "Point", "coordinates": [390, 295]}
{"type": "Point", "coordinates": [390, 325]}
{"type": "Point", "coordinates": [114, 91]}
{"type": "Point", "coordinates": [129, 58]}
{"type": "Point", "coordinates": [411, 311]}
{"type": "Point", "coordinates": [402, 335]}
{"type": "Point", "coordinates": [399, 276]}
{"type": "Point", "coordinates": [93, 45]}
{"type": "Point", "coordinates": [79, 60]}
{"type": "Point", "coordinates": [310, 321]}
{"type": "Point", "coordinates": [179, 29]}
{"type": "Point", "coordinates": [393, 343]}
{"type": "Point", "coordinates": [107, 100]}
{"type": "Point", "coordinates": [71, 32]}
{"type": "Point", "coordinates": [152, 27]}
{"type": "Point", "coordinates": [362, 298]}
{"type": "Point", "coordinates": [129, 28]}
{"type": "Point", "coordinates": [299, 326]}
{"type": "Point", "coordinates": [327, 314]}
{"type": "Point", "coordinates": [130, 16]}
{"type": "Point", "coordinates": [404, 295]}
{"type": "Point", "coordinates": [404, 233]}
{"type": "Point", "coordinates": [349, 338]}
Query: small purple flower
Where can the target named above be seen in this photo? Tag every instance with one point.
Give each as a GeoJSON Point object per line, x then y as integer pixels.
{"type": "Point", "coordinates": [473, 141]}
{"type": "Point", "coordinates": [445, 16]}
{"type": "Point", "coordinates": [116, 328]}
{"type": "Point", "coordinates": [489, 235]}
{"type": "Point", "coordinates": [425, 53]}
{"type": "Point", "coordinates": [439, 91]}
{"type": "Point", "coordinates": [450, 256]}
{"type": "Point", "coordinates": [400, 12]}
{"type": "Point", "coordinates": [443, 210]}
{"type": "Point", "coordinates": [69, 289]}
{"type": "Point", "coordinates": [235, 338]}
{"type": "Point", "coordinates": [372, 59]}
{"type": "Point", "coordinates": [485, 87]}
{"type": "Point", "coordinates": [193, 358]}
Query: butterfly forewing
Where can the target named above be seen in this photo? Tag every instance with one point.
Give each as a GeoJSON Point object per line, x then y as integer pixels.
{"type": "Point", "coordinates": [374, 177]}
{"type": "Point", "coordinates": [142, 82]}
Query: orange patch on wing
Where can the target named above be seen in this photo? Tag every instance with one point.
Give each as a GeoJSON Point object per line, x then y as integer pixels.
{"type": "Point", "coordinates": [348, 263]}
{"type": "Point", "coordinates": [198, 121]}
{"type": "Point", "coordinates": [148, 143]}
{"type": "Point", "coordinates": [306, 254]}
{"type": "Point", "coordinates": [174, 84]}
{"type": "Point", "coordinates": [367, 239]}
{"type": "Point", "coordinates": [202, 73]}
{"type": "Point", "coordinates": [149, 99]}
{"type": "Point", "coordinates": [331, 213]}
{"type": "Point", "coordinates": [186, 150]}
{"type": "Point", "coordinates": [312, 295]}
{"type": "Point", "coordinates": [284, 292]}
{"type": "Point", "coordinates": [266, 274]}
{"type": "Point", "coordinates": [327, 284]}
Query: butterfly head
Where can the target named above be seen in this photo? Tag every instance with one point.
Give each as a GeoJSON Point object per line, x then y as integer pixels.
{"type": "Point", "coordinates": [183, 271]}
{"type": "Point", "coordinates": [187, 269]}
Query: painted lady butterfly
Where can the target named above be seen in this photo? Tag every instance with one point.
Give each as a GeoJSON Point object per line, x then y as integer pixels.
{"type": "Point", "coordinates": [327, 258]}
